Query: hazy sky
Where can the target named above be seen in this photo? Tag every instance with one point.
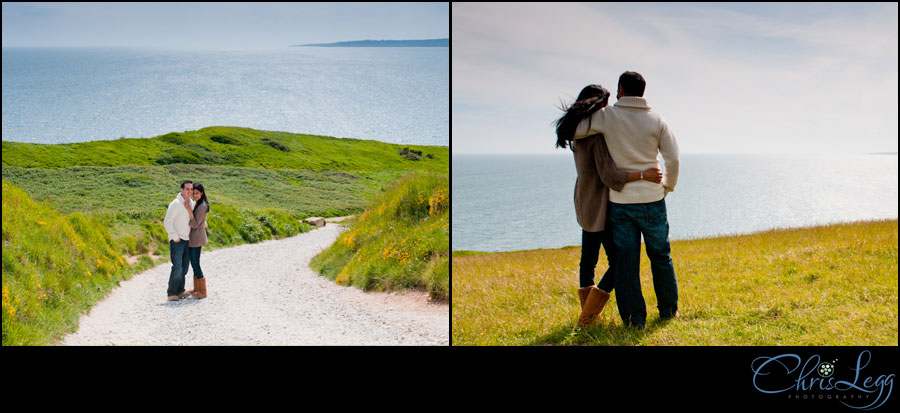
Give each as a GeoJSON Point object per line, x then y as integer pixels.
{"type": "Point", "coordinates": [728, 78]}
{"type": "Point", "coordinates": [218, 25]}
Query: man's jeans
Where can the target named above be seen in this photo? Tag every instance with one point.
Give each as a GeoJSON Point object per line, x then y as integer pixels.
{"type": "Point", "coordinates": [180, 261]}
{"type": "Point", "coordinates": [628, 222]}
{"type": "Point", "coordinates": [590, 253]}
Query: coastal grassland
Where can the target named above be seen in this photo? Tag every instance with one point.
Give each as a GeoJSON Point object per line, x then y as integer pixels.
{"type": "Point", "coordinates": [401, 241]}
{"type": "Point", "coordinates": [833, 285]}
{"type": "Point", "coordinates": [112, 196]}
{"type": "Point", "coordinates": [229, 146]}
{"type": "Point", "coordinates": [127, 183]}
{"type": "Point", "coordinates": [130, 189]}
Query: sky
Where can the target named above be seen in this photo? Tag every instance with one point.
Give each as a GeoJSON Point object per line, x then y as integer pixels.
{"type": "Point", "coordinates": [727, 78]}
{"type": "Point", "coordinates": [217, 26]}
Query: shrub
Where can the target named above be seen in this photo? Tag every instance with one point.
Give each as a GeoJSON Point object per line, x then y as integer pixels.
{"type": "Point", "coordinates": [277, 145]}
{"type": "Point", "coordinates": [225, 140]}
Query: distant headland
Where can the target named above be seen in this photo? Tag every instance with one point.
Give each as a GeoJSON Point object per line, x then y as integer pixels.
{"type": "Point", "coordinates": [384, 43]}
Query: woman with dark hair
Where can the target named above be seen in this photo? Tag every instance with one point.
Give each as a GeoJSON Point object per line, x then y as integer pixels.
{"type": "Point", "coordinates": [597, 172]}
{"type": "Point", "coordinates": [198, 237]}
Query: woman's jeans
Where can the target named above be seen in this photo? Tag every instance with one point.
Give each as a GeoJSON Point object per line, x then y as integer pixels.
{"type": "Point", "coordinates": [590, 253]}
{"type": "Point", "coordinates": [629, 222]}
{"type": "Point", "coordinates": [178, 251]}
{"type": "Point", "coordinates": [195, 261]}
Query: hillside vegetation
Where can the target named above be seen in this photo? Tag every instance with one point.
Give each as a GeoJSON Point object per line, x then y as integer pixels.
{"type": "Point", "coordinates": [401, 241]}
{"type": "Point", "coordinates": [96, 208]}
{"type": "Point", "coordinates": [833, 285]}
{"type": "Point", "coordinates": [227, 146]}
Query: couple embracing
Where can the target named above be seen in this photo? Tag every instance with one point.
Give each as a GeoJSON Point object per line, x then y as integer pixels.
{"type": "Point", "coordinates": [620, 195]}
{"type": "Point", "coordinates": [185, 223]}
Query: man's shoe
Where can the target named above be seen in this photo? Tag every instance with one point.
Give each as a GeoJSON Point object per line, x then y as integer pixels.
{"type": "Point", "coordinates": [593, 305]}
{"type": "Point", "coordinates": [185, 294]}
{"type": "Point", "coordinates": [173, 298]}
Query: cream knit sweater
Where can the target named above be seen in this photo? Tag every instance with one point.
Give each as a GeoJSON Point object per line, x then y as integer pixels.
{"type": "Point", "coordinates": [635, 135]}
{"type": "Point", "coordinates": [177, 220]}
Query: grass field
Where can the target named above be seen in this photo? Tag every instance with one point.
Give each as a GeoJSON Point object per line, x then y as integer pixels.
{"type": "Point", "coordinates": [828, 285]}
{"type": "Point", "coordinates": [79, 218]}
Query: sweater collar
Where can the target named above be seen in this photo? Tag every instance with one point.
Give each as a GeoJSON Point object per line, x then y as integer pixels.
{"type": "Point", "coordinates": [181, 199]}
{"type": "Point", "coordinates": [636, 102]}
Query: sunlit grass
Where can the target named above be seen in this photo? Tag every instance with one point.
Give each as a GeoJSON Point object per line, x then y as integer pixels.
{"type": "Point", "coordinates": [827, 285]}
{"type": "Point", "coordinates": [401, 241]}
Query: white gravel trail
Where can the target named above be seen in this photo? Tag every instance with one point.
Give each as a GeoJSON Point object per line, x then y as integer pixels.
{"type": "Point", "coordinates": [262, 294]}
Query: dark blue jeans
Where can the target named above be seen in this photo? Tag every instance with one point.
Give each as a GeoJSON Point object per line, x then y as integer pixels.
{"type": "Point", "coordinates": [178, 251]}
{"type": "Point", "coordinates": [590, 253]}
{"type": "Point", "coordinates": [195, 261]}
{"type": "Point", "coordinates": [628, 222]}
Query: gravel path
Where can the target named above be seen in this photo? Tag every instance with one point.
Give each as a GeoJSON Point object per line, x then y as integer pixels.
{"type": "Point", "coordinates": [262, 294]}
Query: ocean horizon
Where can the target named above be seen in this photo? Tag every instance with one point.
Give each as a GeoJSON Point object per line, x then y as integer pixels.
{"type": "Point", "coordinates": [66, 95]}
{"type": "Point", "coordinates": [524, 202]}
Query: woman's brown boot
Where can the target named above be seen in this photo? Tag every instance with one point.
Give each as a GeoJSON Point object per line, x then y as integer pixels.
{"type": "Point", "coordinates": [593, 305]}
{"type": "Point", "coordinates": [200, 287]}
{"type": "Point", "coordinates": [583, 294]}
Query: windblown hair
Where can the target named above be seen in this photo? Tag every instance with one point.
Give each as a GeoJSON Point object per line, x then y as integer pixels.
{"type": "Point", "coordinates": [591, 99]}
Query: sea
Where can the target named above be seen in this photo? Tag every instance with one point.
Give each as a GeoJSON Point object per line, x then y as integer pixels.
{"type": "Point", "coordinates": [64, 95]}
{"type": "Point", "coordinates": [521, 202]}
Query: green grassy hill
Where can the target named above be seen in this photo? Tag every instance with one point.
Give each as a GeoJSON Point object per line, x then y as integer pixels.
{"type": "Point", "coordinates": [228, 146]}
{"type": "Point", "coordinates": [260, 184]}
{"type": "Point", "coordinates": [401, 241]}
{"type": "Point", "coordinates": [828, 285]}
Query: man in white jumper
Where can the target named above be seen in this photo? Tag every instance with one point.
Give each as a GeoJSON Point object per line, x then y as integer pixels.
{"type": "Point", "coordinates": [635, 135]}
{"type": "Point", "coordinates": [177, 223]}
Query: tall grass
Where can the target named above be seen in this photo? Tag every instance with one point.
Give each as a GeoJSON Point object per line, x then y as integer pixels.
{"type": "Point", "coordinates": [826, 285]}
{"type": "Point", "coordinates": [54, 266]}
{"type": "Point", "coordinates": [401, 241]}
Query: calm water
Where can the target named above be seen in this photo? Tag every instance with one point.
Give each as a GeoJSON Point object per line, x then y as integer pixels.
{"type": "Point", "coordinates": [515, 202]}
{"type": "Point", "coordinates": [397, 95]}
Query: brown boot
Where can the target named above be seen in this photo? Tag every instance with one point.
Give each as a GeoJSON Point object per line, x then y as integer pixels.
{"type": "Point", "coordinates": [594, 304]}
{"type": "Point", "coordinates": [200, 289]}
{"type": "Point", "coordinates": [583, 294]}
{"type": "Point", "coordinates": [196, 289]}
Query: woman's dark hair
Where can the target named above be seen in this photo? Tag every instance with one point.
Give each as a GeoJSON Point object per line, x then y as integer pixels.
{"type": "Point", "coordinates": [590, 100]}
{"type": "Point", "coordinates": [632, 83]}
{"type": "Point", "coordinates": [199, 187]}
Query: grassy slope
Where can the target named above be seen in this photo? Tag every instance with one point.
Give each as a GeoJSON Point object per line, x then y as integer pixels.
{"type": "Point", "coordinates": [227, 146]}
{"type": "Point", "coordinates": [54, 266]}
{"type": "Point", "coordinates": [401, 241]}
{"type": "Point", "coordinates": [260, 184]}
{"type": "Point", "coordinates": [828, 285]}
